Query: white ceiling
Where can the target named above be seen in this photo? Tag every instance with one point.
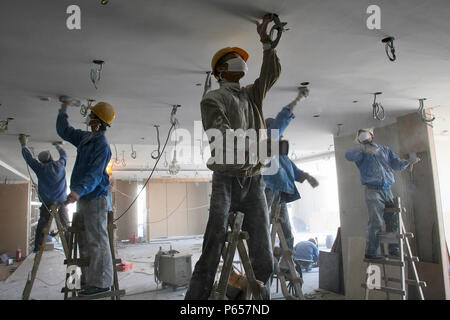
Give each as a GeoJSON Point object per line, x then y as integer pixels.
{"type": "Point", "coordinates": [157, 51]}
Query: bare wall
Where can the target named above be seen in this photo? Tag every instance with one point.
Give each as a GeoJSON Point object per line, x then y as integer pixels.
{"type": "Point", "coordinates": [14, 217]}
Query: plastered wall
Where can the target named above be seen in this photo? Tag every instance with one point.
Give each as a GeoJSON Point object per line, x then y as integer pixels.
{"type": "Point", "coordinates": [419, 191]}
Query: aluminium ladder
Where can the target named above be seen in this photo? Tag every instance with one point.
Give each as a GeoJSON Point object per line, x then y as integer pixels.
{"type": "Point", "coordinates": [296, 282]}
{"type": "Point", "coordinates": [402, 238]}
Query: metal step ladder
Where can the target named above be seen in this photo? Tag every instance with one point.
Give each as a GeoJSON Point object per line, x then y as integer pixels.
{"type": "Point", "coordinates": [235, 240]}
{"type": "Point", "coordinates": [402, 238]}
{"type": "Point", "coordinates": [293, 289]}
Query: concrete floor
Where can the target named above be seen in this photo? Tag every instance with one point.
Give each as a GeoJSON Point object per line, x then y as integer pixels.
{"type": "Point", "coordinates": [139, 283]}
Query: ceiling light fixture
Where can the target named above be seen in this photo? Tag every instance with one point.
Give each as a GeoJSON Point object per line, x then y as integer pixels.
{"type": "Point", "coordinates": [390, 49]}
{"type": "Point", "coordinates": [104, 2]}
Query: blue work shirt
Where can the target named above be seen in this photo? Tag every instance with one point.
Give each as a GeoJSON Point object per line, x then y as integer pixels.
{"type": "Point", "coordinates": [89, 178]}
{"type": "Point", "coordinates": [288, 172]}
{"type": "Point", "coordinates": [377, 170]}
{"type": "Point", "coordinates": [306, 250]}
{"type": "Point", "coordinates": [52, 186]}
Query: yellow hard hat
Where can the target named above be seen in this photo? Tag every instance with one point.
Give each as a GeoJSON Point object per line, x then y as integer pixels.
{"type": "Point", "coordinates": [104, 111]}
{"type": "Point", "coordinates": [222, 52]}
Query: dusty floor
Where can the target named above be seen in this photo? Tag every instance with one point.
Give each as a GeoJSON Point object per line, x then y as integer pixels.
{"type": "Point", "coordinates": [139, 283]}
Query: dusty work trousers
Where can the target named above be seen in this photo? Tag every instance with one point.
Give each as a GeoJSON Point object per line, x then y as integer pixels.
{"type": "Point", "coordinates": [44, 216]}
{"type": "Point", "coordinates": [230, 194]}
{"type": "Point", "coordinates": [92, 215]}
{"type": "Point", "coordinates": [377, 200]}
{"type": "Point", "coordinates": [274, 197]}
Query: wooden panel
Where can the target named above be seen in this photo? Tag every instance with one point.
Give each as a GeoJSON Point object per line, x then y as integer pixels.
{"type": "Point", "coordinates": [156, 208]}
{"type": "Point", "coordinates": [198, 208]}
{"type": "Point", "coordinates": [14, 217]}
{"type": "Point", "coordinates": [176, 209]}
{"type": "Point", "coordinates": [125, 192]}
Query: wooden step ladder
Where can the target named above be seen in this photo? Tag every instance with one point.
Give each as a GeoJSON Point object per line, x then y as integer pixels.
{"type": "Point", "coordinates": [71, 257]}
{"type": "Point", "coordinates": [402, 238]}
{"type": "Point", "coordinates": [293, 290]}
{"type": "Point", "coordinates": [235, 240]}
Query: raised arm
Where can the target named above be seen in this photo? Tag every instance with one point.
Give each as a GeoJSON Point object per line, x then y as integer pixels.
{"type": "Point", "coordinates": [65, 130]}
{"type": "Point", "coordinates": [270, 69]}
{"type": "Point", "coordinates": [355, 154]}
{"type": "Point", "coordinates": [33, 163]}
{"type": "Point", "coordinates": [62, 155]}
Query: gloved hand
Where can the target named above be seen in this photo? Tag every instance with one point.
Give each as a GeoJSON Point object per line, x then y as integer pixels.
{"type": "Point", "coordinates": [370, 149]}
{"type": "Point", "coordinates": [312, 181]}
{"type": "Point", "coordinates": [261, 28]}
{"type": "Point", "coordinates": [23, 140]}
{"type": "Point", "coordinates": [414, 161]}
{"type": "Point", "coordinates": [303, 92]}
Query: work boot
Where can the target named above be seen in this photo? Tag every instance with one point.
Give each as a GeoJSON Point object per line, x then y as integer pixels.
{"type": "Point", "coordinates": [395, 253]}
{"type": "Point", "coordinates": [374, 257]}
{"type": "Point", "coordinates": [92, 291]}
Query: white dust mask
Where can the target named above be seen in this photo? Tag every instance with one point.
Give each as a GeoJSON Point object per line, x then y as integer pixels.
{"type": "Point", "coordinates": [363, 136]}
{"type": "Point", "coordinates": [237, 65]}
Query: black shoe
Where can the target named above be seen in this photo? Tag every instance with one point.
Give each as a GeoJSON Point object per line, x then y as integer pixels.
{"type": "Point", "coordinates": [374, 257]}
{"type": "Point", "coordinates": [91, 291]}
{"type": "Point", "coordinates": [395, 253]}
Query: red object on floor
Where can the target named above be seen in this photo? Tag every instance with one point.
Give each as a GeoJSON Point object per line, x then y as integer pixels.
{"type": "Point", "coordinates": [124, 266]}
{"type": "Point", "coordinates": [133, 239]}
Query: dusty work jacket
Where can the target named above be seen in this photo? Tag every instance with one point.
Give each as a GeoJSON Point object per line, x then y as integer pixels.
{"type": "Point", "coordinates": [89, 178]}
{"type": "Point", "coordinates": [288, 172]}
{"type": "Point", "coordinates": [377, 170]}
{"type": "Point", "coordinates": [235, 107]}
{"type": "Point", "coordinates": [52, 186]}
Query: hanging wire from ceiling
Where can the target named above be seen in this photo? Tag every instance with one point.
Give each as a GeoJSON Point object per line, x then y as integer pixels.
{"type": "Point", "coordinates": [133, 153]}
{"type": "Point", "coordinates": [158, 151]}
{"type": "Point", "coordinates": [116, 160]}
{"type": "Point", "coordinates": [339, 127]}
{"type": "Point", "coordinates": [96, 73]}
{"type": "Point", "coordinates": [174, 123]}
{"type": "Point", "coordinates": [389, 48]}
{"type": "Point", "coordinates": [378, 109]}
{"type": "Point", "coordinates": [427, 119]}
{"type": "Point", "coordinates": [124, 164]}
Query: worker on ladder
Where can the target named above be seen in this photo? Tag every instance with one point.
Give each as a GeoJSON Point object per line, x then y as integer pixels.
{"type": "Point", "coordinates": [376, 164]}
{"type": "Point", "coordinates": [52, 186]}
{"type": "Point", "coordinates": [236, 186]}
{"type": "Point", "coordinates": [280, 187]}
{"type": "Point", "coordinates": [89, 188]}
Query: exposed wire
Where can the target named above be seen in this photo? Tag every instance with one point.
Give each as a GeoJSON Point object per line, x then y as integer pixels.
{"type": "Point", "coordinates": [124, 164]}
{"type": "Point", "coordinates": [148, 179]}
{"type": "Point", "coordinates": [133, 153]}
{"type": "Point", "coordinates": [158, 151]}
{"type": "Point", "coordinates": [389, 48]}
{"type": "Point", "coordinates": [378, 110]}
{"type": "Point", "coordinates": [428, 120]}
{"type": "Point", "coordinates": [116, 161]}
